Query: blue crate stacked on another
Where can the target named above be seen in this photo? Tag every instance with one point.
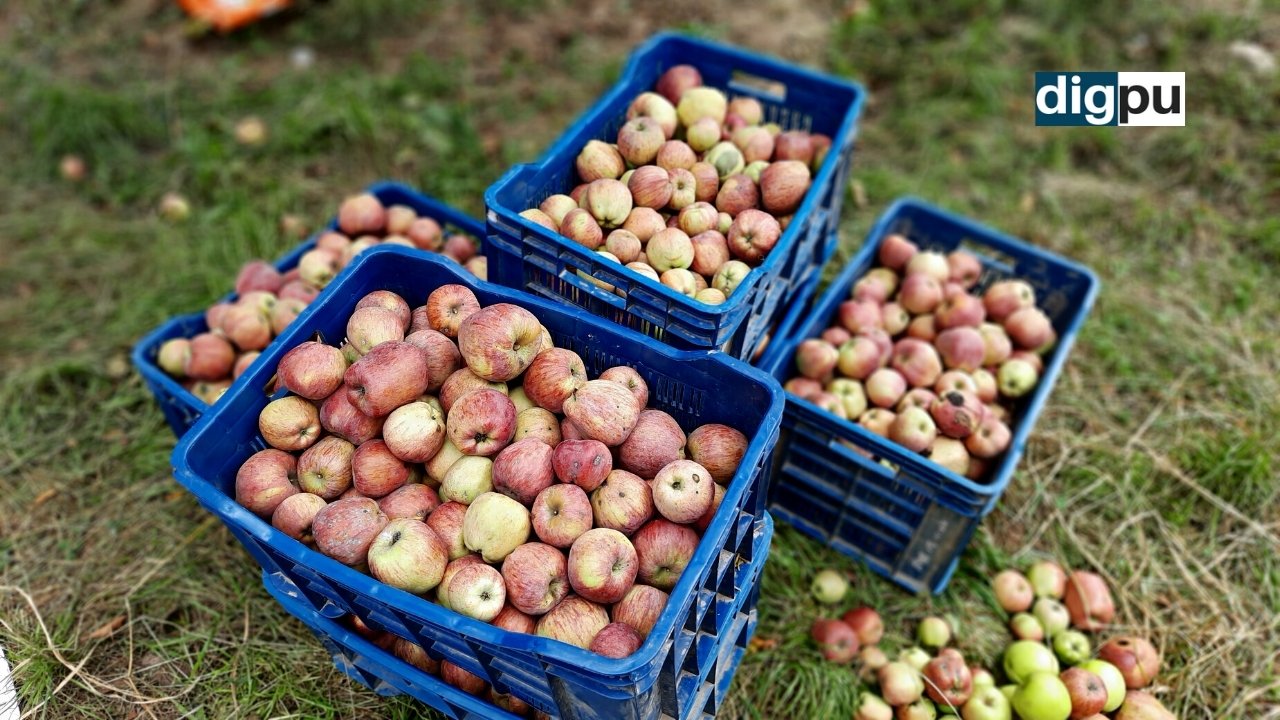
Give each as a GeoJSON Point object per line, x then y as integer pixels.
{"type": "Point", "coordinates": [910, 524]}
{"type": "Point", "coordinates": [182, 409]}
{"type": "Point", "coordinates": [525, 255]}
{"type": "Point", "coordinates": [665, 676]}
{"type": "Point", "coordinates": [387, 675]}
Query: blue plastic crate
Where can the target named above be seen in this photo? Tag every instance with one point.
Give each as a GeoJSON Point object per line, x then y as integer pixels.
{"type": "Point", "coordinates": [525, 255]}
{"type": "Point", "coordinates": [911, 525]}
{"type": "Point", "coordinates": [694, 387]}
{"type": "Point", "coordinates": [182, 409]}
{"type": "Point", "coordinates": [387, 675]}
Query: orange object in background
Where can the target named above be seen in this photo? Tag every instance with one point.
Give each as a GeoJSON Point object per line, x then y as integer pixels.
{"type": "Point", "coordinates": [227, 15]}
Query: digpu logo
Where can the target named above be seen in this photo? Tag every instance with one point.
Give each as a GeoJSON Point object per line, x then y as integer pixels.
{"type": "Point", "coordinates": [1124, 99]}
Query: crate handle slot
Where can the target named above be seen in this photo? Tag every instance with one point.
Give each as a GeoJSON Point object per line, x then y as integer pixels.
{"type": "Point", "coordinates": [756, 85]}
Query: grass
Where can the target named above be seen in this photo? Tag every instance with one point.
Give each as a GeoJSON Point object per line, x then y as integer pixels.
{"type": "Point", "coordinates": [1155, 462]}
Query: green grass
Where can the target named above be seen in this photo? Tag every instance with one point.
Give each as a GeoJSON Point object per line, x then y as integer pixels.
{"type": "Point", "coordinates": [1155, 462]}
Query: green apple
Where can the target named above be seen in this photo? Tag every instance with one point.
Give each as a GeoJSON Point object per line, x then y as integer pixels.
{"type": "Point", "coordinates": [1111, 677]}
{"type": "Point", "coordinates": [1053, 616]}
{"type": "Point", "coordinates": [872, 707]}
{"type": "Point", "coordinates": [1048, 579]}
{"type": "Point", "coordinates": [1072, 647]}
{"type": "Point", "coordinates": [1025, 626]}
{"type": "Point", "coordinates": [916, 657]}
{"type": "Point", "coordinates": [1042, 696]}
{"type": "Point", "coordinates": [1007, 691]}
{"type": "Point", "coordinates": [933, 632]}
{"type": "Point", "coordinates": [922, 709]}
{"type": "Point", "coordinates": [982, 677]}
{"type": "Point", "coordinates": [829, 587]}
{"type": "Point", "coordinates": [1024, 657]}
{"type": "Point", "coordinates": [987, 703]}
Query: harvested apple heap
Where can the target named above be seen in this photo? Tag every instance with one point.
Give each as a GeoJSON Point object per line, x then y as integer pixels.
{"type": "Point", "coordinates": [695, 192]}
{"type": "Point", "coordinates": [462, 457]}
{"type": "Point", "coordinates": [1051, 612]}
{"type": "Point", "coordinates": [269, 300]}
{"type": "Point", "coordinates": [914, 357]}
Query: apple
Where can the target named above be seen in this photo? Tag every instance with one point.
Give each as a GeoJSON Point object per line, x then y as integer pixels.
{"type": "Point", "coordinates": [900, 684]}
{"type": "Point", "coordinates": [538, 424]}
{"type": "Point", "coordinates": [340, 417]}
{"type": "Point", "coordinates": [1072, 647]}
{"type": "Point", "coordinates": [464, 381]}
{"type": "Point", "coordinates": [481, 422]}
{"type": "Point", "coordinates": [312, 370]}
{"type": "Point", "coordinates": [247, 327]}
{"type": "Point", "coordinates": [602, 565]}
{"type": "Point", "coordinates": [325, 469]}
{"type": "Point", "coordinates": [1048, 579]}
{"type": "Point", "coordinates": [730, 276]}
{"type": "Point", "coordinates": [933, 632]}
{"type": "Point", "coordinates": [948, 680]}
{"type": "Point", "coordinates": [663, 549]}
{"type": "Point", "coordinates": [446, 521]}
{"type": "Point", "coordinates": [415, 432]}
{"type": "Point", "coordinates": [265, 480]}
{"type": "Point", "coordinates": [209, 357]}
{"type": "Point", "coordinates": [373, 325]}
{"type": "Point", "coordinates": [561, 513]}
{"type": "Point", "coordinates": [345, 528]}
{"type": "Point", "coordinates": [1042, 696]}
{"type": "Point", "coordinates": [917, 657]}
{"type": "Point", "coordinates": [388, 376]}
{"type": "Point", "coordinates": [574, 620]}
{"type": "Point", "coordinates": [1141, 706]}
{"type": "Point", "coordinates": [1053, 616]}
{"type": "Point", "coordinates": [917, 361]}
{"type": "Point", "coordinates": [1087, 691]}
{"type": "Point", "coordinates": [718, 448]}
{"type": "Point", "coordinates": [477, 591]}
{"type": "Point", "coordinates": [569, 431]}
{"type": "Point", "coordinates": [1025, 626]}
{"type": "Point", "coordinates": [987, 703]}
{"type": "Point", "coordinates": [631, 379]}
{"type": "Point", "coordinates": [1013, 591]}
{"type": "Point", "coordinates": [829, 586]}
{"type": "Point", "coordinates": [499, 341]}
{"type": "Point", "coordinates": [624, 245]}
{"type": "Point", "coordinates": [408, 554]}
{"type": "Point", "coordinates": [913, 429]}
{"type": "Point", "coordinates": [752, 235]}
{"type": "Point", "coordinates": [443, 358]}
{"type": "Point", "coordinates": [448, 306]}
{"type": "Point", "coordinates": [957, 413]}
{"type": "Point", "coordinates": [682, 491]}
{"type": "Point", "coordinates": [878, 421]}
{"type": "Point", "coordinates": [623, 502]}
{"type": "Point", "coordinates": [645, 222]}
{"type": "Point", "coordinates": [513, 620]}
{"type": "Point", "coordinates": [494, 526]}
{"type": "Point", "coordinates": [658, 108]}
{"type": "Point", "coordinates": [415, 655]}
{"type": "Point", "coordinates": [673, 83]}
{"type": "Point", "coordinates": [1088, 600]}
{"type": "Point", "coordinates": [376, 471]}
{"type": "Point", "coordinates": [293, 515]}
{"type": "Point", "coordinates": [922, 398]}
{"type": "Point", "coordinates": [1024, 657]}
{"type": "Point", "coordinates": [872, 707]}
{"type": "Point", "coordinates": [677, 158]}
{"type": "Point", "coordinates": [173, 353]}
{"type": "Point", "coordinates": [523, 469]}
{"type": "Point", "coordinates": [668, 249]}
{"type": "Point", "coordinates": [837, 641]}
{"type": "Point", "coordinates": [467, 478]}
{"type": "Point", "coordinates": [656, 441]}
{"type": "Point", "coordinates": [455, 565]}
{"type": "Point", "coordinates": [536, 578]}
{"type": "Point", "coordinates": [289, 423]}
{"type": "Point", "coordinates": [461, 679]}
{"type": "Point", "coordinates": [991, 437]}
{"type": "Point", "coordinates": [885, 387]}
{"type": "Point", "coordinates": [616, 640]}
{"type": "Point", "coordinates": [950, 454]}
{"type": "Point", "coordinates": [585, 463]}
{"type": "Point", "coordinates": [1136, 659]}
{"type": "Point", "coordinates": [1112, 679]}
{"type": "Point", "coordinates": [640, 608]}
{"type": "Point", "coordinates": [415, 501]}
{"type": "Point", "coordinates": [867, 623]}
{"type": "Point", "coordinates": [695, 219]}
{"type": "Point", "coordinates": [922, 709]}
{"type": "Point", "coordinates": [858, 316]}
{"type": "Point", "coordinates": [598, 160]}
{"type": "Point", "coordinates": [783, 185]}
{"type": "Point", "coordinates": [982, 677]}
{"type": "Point", "coordinates": [603, 410]}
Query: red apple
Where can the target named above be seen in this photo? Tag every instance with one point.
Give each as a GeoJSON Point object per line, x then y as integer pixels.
{"type": "Point", "coordinates": [446, 520]}
{"type": "Point", "coordinates": [294, 515]}
{"type": "Point", "coordinates": [482, 422]}
{"type": "Point", "coordinates": [585, 463]}
{"type": "Point", "coordinates": [603, 410]}
{"type": "Point", "coordinates": [467, 682]}
{"type": "Point", "coordinates": [498, 342]}
{"type": "Point", "coordinates": [414, 432]}
{"type": "Point", "coordinates": [345, 528]}
{"type": "Point", "coordinates": [656, 441]}
{"type": "Point", "coordinates": [663, 549]}
{"type": "Point", "coordinates": [1087, 691]}
{"type": "Point", "coordinates": [553, 376]}
{"type": "Point", "coordinates": [523, 469]}
{"type": "Point", "coordinates": [443, 358]}
{"type": "Point", "coordinates": [408, 554]}
{"type": "Point", "coordinates": [448, 306]}
{"type": "Point", "coordinates": [513, 620]}
{"type": "Point", "coordinates": [464, 381]}
{"type": "Point", "coordinates": [265, 480]}
{"type": "Point", "coordinates": [629, 378]}
{"type": "Point", "coordinates": [536, 576]}
{"type": "Point", "coordinates": [325, 468]}
{"type": "Point", "coordinates": [312, 370]}
{"type": "Point", "coordinates": [783, 186]}
{"type": "Point", "coordinates": [753, 234]}
{"type": "Point", "coordinates": [1136, 658]}
{"type": "Point", "coordinates": [415, 500]}
{"type": "Point", "coordinates": [340, 417]}
{"type": "Point", "coordinates": [1088, 599]}
{"type": "Point", "coordinates": [388, 376]}
{"type": "Point", "coordinates": [719, 449]}
{"type": "Point", "coordinates": [376, 471]}
{"type": "Point", "coordinates": [616, 640]}
{"type": "Point", "coordinates": [866, 623]}
{"type": "Point", "coordinates": [640, 608]}
{"type": "Point", "coordinates": [948, 680]}
{"type": "Point", "coordinates": [210, 358]}
{"type": "Point", "coordinates": [623, 502]}
{"type": "Point", "coordinates": [561, 513]}
{"type": "Point", "coordinates": [575, 620]}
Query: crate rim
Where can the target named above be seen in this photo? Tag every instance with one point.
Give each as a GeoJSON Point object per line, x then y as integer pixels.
{"type": "Point", "coordinates": [913, 462]}
{"type": "Point", "coordinates": [593, 114]}
{"type": "Point", "coordinates": [561, 651]}
{"type": "Point", "coordinates": [138, 354]}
